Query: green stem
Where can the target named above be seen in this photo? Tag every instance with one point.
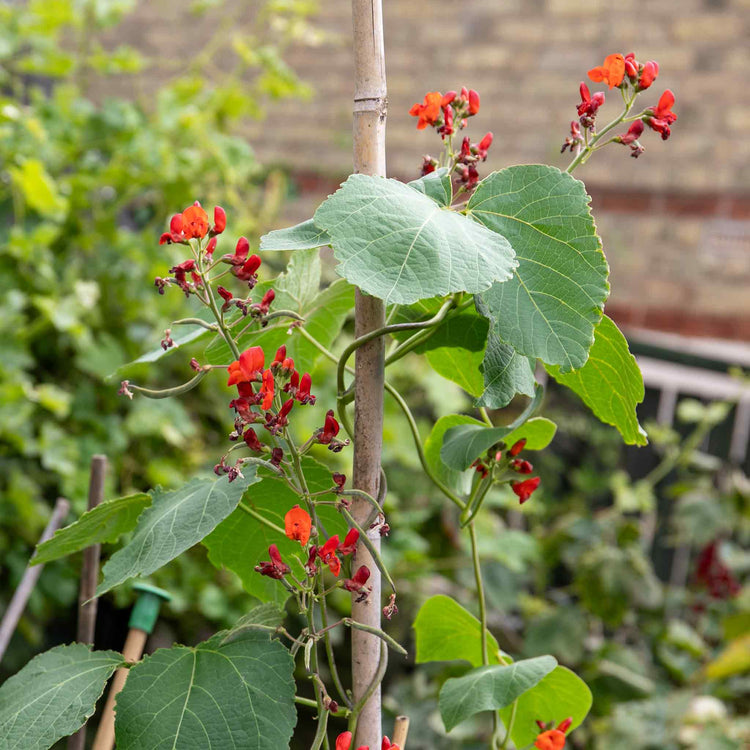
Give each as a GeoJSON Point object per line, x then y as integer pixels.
{"type": "Point", "coordinates": [215, 310]}
{"type": "Point", "coordinates": [169, 392]}
{"type": "Point", "coordinates": [511, 721]}
{"type": "Point", "coordinates": [195, 322]}
{"type": "Point", "coordinates": [395, 645]}
{"type": "Point", "coordinates": [475, 503]}
{"type": "Point", "coordinates": [258, 517]}
{"type": "Point", "coordinates": [320, 735]}
{"type": "Point", "coordinates": [480, 591]}
{"type": "Point", "coordinates": [373, 686]}
{"type": "Point", "coordinates": [589, 148]}
{"type": "Point", "coordinates": [329, 648]}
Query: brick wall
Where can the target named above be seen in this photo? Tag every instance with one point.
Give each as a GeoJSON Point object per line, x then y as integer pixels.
{"type": "Point", "coordinates": [674, 222]}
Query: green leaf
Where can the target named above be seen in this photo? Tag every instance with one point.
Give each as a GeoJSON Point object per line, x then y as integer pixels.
{"type": "Point", "coordinates": [465, 443]}
{"type": "Point", "coordinates": [38, 188]}
{"type": "Point", "coordinates": [561, 694]}
{"type": "Point", "coordinates": [173, 523]}
{"type": "Point", "coordinates": [549, 309]}
{"type": "Point", "coordinates": [490, 688]}
{"type": "Point", "coordinates": [268, 615]}
{"type": "Point", "coordinates": [223, 694]}
{"type": "Point", "coordinates": [457, 480]}
{"type": "Point", "coordinates": [53, 695]}
{"type": "Point", "coordinates": [105, 523]}
{"type": "Point", "coordinates": [505, 373]}
{"type": "Point", "coordinates": [241, 541]}
{"type": "Point", "coordinates": [436, 185]}
{"type": "Point", "coordinates": [304, 236]}
{"type": "Point", "coordinates": [399, 245]}
{"type": "Point", "coordinates": [610, 383]}
{"type": "Point", "coordinates": [456, 350]}
{"type": "Point", "coordinates": [445, 631]}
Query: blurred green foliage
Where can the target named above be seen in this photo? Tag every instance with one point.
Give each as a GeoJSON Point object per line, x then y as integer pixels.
{"type": "Point", "coordinates": [86, 188]}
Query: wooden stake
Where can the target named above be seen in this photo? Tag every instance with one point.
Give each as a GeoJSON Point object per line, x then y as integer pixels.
{"type": "Point", "coordinates": [87, 604]}
{"type": "Point", "coordinates": [400, 730]}
{"type": "Point", "coordinates": [30, 577]}
{"type": "Point", "coordinates": [369, 158]}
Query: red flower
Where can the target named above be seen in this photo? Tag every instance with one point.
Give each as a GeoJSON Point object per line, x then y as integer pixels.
{"type": "Point", "coordinates": [226, 295]}
{"type": "Point", "coordinates": [329, 430]}
{"type": "Point", "coordinates": [278, 360]}
{"type": "Point", "coordinates": [648, 75]}
{"type": "Point", "coordinates": [266, 390]}
{"type": "Point", "coordinates": [252, 441]}
{"type": "Point", "coordinates": [297, 524]}
{"type": "Point", "coordinates": [388, 745]}
{"type": "Point", "coordinates": [303, 392]}
{"type": "Point", "coordinates": [589, 104]}
{"type": "Point", "coordinates": [327, 554]}
{"type": "Point", "coordinates": [340, 480]}
{"type": "Point", "coordinates": [448, 98]}
{"type": "Point", "coordinates": [344, 742]}
{"type": "Point", "coordinates": [631, 65]}
{"type": "Point", "coordinates": [659, 118]}
{"type": "Point", "coordinates": [220, 220]}
{"type": "Point", "coordinates": [633, 134]}
{"type": "Point", "coordinates": [242, 248]}
{"type": "Point", "coordinates": [211, 247]}
{"type": "Point", "coordinates": [611, 72]}
{"type": "Point", "coordinates": [521, 466]}
{"type": "Point", "coordinates": [525, 489]}
{"type": "Point", "coordinates": [277, 568]}
{"type": "Point", "coordinates": [473, 102]}
{"type": "Point", "coordinates": [552, 739]}
{"type": "Point", "coordinates": [247, 367]}
{"type": "Point", "coordinates": [428, 111]}
{"type": "Point", "coordinates": [484, 146]}
{"type": "Point", "coordinates": [350, 540]}
{"type": "Point", "coordinates": [194, 222]}
{"type": "Point", "coordinates": [264, 305]}
{"type": "Point", "coordinates": [358, 581]}
{"type": "Point", "coordinates": [248, 270]}
{"type": "Point", "coordinates": [517, 447]}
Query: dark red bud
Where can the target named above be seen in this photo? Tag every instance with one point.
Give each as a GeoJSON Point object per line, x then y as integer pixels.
{"type": "Point", "coordinates": [517, 447]}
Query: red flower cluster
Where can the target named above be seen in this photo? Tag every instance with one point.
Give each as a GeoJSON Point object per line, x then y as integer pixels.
{"type": "Point", "coordinates": [344, 742]}
{"type": "Point", "coordinates": [192, 223]}
{"type": "Point", "coordinates": [276, 568]}
{"type": "Point", "coordinates": [626, 73]}
{"type": "Point", "coordinates": [442, 111]}
{"type": "Point", "coordinates": [523, 489]}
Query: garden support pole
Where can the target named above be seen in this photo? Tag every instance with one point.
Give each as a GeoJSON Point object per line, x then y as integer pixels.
{"type": "Point", "coordinates": [30, 577]}
{"type": "Point", "coordinates": [87, 601]}
{"type": "Point", "coordinates": [369, 158]}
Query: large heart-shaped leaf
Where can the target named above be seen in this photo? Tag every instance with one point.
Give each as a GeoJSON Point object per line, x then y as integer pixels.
{"type": "Point", "coordinates": [561, 694]}
{"type": "Point", "coordinates": [549, 309]}
{"type": "Point", "coordinates": [397, 244]}
{"type": "Point", "coordinates": [445, 631]}
{"type": "Point", "coordinates": [505, 373]}
{"type": "Point", "coordinates": [235, 693]}
{"type": "Point", "coordinates": [53, 695]}
{"type": "Point", "coordinates": [105, 523]}
{"type": "Point", "coordinates": [610, 383]}
{"type": "Point", "coordinates": [174, 522]}
{"type": "Point", "coordinates": [241, 541]}
{"type": "Point", "coordinates": [490, 688]}
{"type": "Point", "coordinates": [463, 444]}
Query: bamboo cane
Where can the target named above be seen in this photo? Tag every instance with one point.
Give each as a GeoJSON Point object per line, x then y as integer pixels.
{"type": "Point", "coordinates": [369, 115]}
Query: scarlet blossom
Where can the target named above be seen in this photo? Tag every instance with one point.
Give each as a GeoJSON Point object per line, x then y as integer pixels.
{"type": "Point", "coordinates": [473, 102]}
{"type": "Point", "coordinates": [276, 568]}
{"type": "Point", "coordinates": [266, 390]}
{"type": "Point", "coordinates": [648, 75]}
{"type": "Point", "coordinates": [248, 270]}
{"type": "Point", "coordinates": [242, 248]}
{"type": "Point", "coordinates": [589, 104]}
{"type": "Point", "coordinates": [429, 165]}
{"type": "Point", "coordinates": [220, 220]}
{"type": "Point", "coordinates": [211, 247]}
{"type": "Point", "coordinates": [484, 146]}
{"type": "Point", "coordinates": [310, 567]}
{"type": "Point", "coordinates": [303, 394]}
{"type": "Point", "coordinates": [329, 430]}
{"type": "Point", "coordinates": [517, 447]}
{"type": "Point", "coordinates": [631, 65]}
{"type": "Point", "coordinates": [634, 132]}
{"type": "Point", "coordinates": [279, 358]}
{"type": "Point", "coordinates": [521, 466]}
{"type": "Point", "coordinates": [344, 742]}
{"type": "Point", "coordinates": [350, 542]}
{"type": "Point", "coordinates": [552, 739]}
{"type": "Point", "coordinates": [293, 385]}
{"type": "Point", "coordinates": [251, 440]}
{"type": "Point", "coordinates": [276, 455]}
{"type": "Point", "coordinates": [525, 489]}
{"type": "Point", "coordinates": [265, 304]}
{"type": "Point", "coordinates": [659, 118]}
{"type": "Point", "coordinates": [226, 295]}
{"type": "Point", "coordinates": [327, 554]}
{"type": "Point", "coordinates": [448, 97]}
{"type": "Point", "coordinates": [388, 745]}
{"type": "Point", "coordinates": [428, 111]}
{"type": "Point", "coordinates": [611, 72]}
{"type": "Point", "coordinates": [247, 367]}
{"type": "Point", "coordinates": [447, 127]}
{"type": "Point", "coordinates": [297, 524]}
{"type": "Point", "coordinates": [195, 222]}
{"type": "Point", "coordinates": [357, 582]}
